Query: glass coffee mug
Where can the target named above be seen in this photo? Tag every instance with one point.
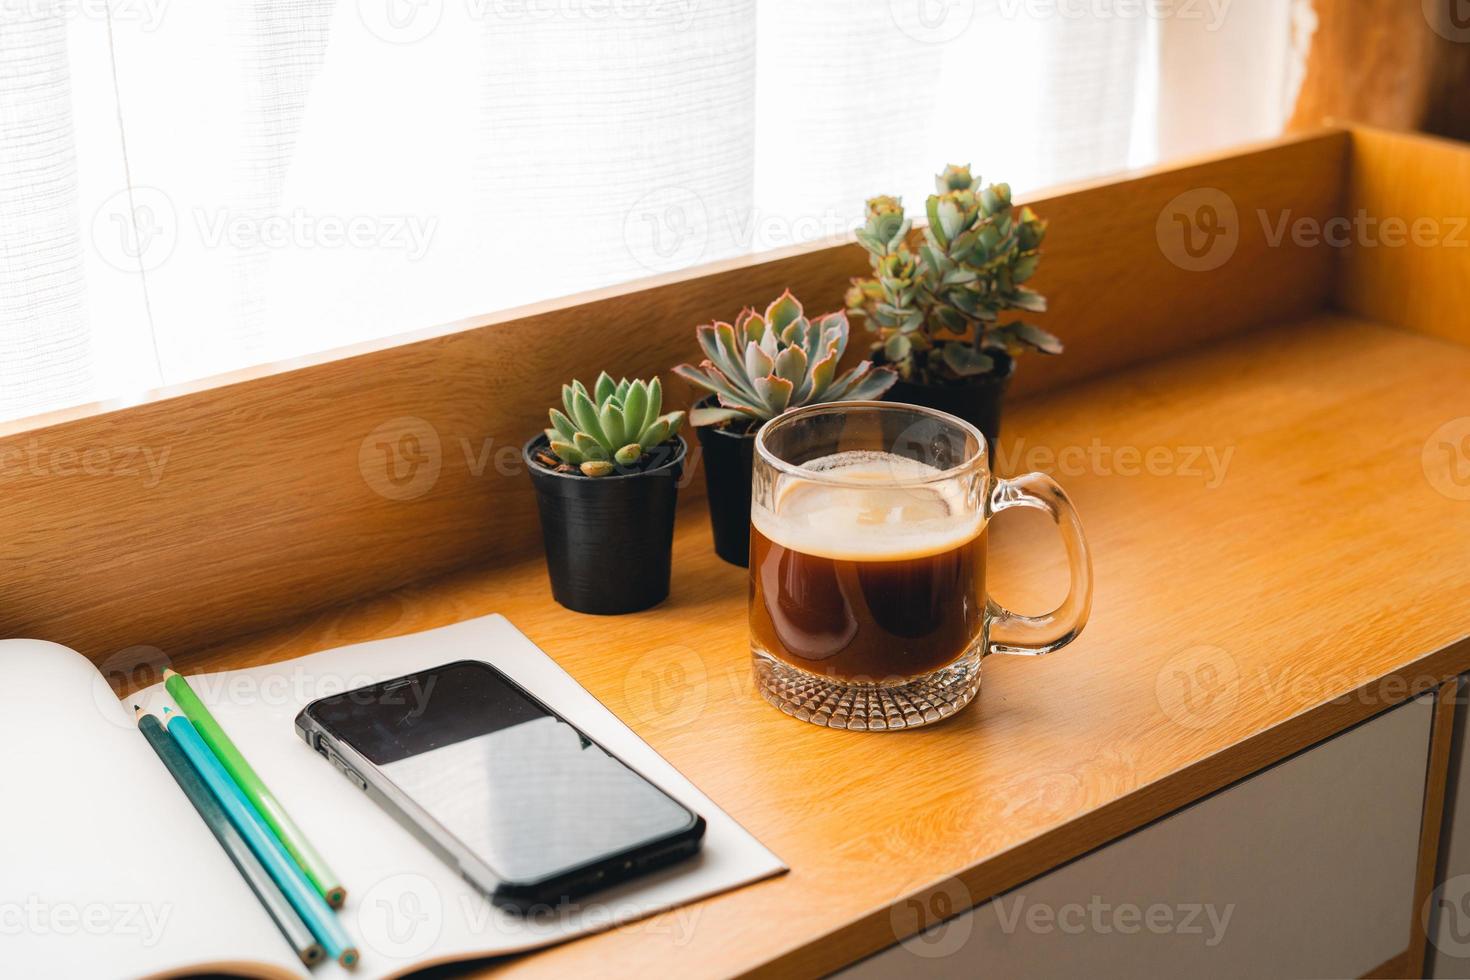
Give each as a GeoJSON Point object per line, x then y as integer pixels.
{"type": "Point", "coordinates": [868, 608]}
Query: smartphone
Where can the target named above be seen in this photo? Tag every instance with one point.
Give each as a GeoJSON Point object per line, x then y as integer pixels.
{"type": "Point", "coordinates": [525, 806]}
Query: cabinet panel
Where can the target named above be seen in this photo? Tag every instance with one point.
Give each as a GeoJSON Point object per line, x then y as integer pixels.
{"type": "Point", "coordinates": [1304, 870]}
{"type": "Point", "coordinates": [1449, 905]}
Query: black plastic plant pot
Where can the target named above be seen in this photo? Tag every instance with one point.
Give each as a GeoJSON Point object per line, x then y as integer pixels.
{"type": "Point", "coordinates": [978, 402]}
{"type": "Point", "coordinates": [728, 456]}
{"type": "Point", "coordinates": [609, 539]}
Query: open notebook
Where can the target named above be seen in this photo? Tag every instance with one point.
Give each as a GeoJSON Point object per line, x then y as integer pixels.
{"type": "Point", "coordinates": [106, 870]}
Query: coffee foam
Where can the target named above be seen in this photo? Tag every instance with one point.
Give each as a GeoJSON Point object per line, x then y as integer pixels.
{"type": "Point", "coordinates": [880, 522]}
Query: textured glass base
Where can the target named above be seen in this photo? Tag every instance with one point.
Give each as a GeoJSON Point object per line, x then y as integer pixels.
{"type": "Point", "coordinates": [867, 707]}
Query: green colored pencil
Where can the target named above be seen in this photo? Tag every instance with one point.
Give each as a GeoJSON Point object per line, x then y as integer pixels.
{"type": "Point", "coordinates": [249, 866]}
{"type": "Point", "coordinates": [300, 892]}
{"type": "Point", "coordinates": [255, 790]}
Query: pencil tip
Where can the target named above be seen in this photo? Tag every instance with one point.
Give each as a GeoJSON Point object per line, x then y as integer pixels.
{"type": "Point", "coordinates": [169, 672]}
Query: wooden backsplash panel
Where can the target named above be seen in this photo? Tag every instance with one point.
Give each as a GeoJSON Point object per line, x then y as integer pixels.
{"type": "Point", "coordinates": [223, 507]}
{"type": "Point", "coordinates": [1408, 258]}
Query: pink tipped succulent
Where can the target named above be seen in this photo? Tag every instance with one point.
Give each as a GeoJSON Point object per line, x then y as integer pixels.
{"type": "Point", "coordinates": [764, 364]}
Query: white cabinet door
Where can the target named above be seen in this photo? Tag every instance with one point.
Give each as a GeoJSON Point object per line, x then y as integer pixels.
{"type": "Point", "coordinates": [1303, 870]}
{"type": "Point", "coordinates": [1449, 905]}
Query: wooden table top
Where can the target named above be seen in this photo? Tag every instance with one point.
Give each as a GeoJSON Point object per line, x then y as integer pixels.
{"type": "Point", "coordinates": [1270, 534]}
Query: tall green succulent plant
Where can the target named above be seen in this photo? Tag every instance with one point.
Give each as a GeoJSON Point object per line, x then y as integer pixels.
{"type": "Point", "coordinates": [614, 423]}
{"type": "Point", "coordinates": [762, 365]}
{"type": "Point", "coordinates": [935, 297]}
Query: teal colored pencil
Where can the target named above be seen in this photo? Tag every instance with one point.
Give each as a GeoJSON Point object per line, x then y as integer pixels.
{"type": "Point", "coordinates": [303, 897]}
{"type": "Point", "coordinates": [230, 839]}
{"type": "Point", "coordinates": [255, 789]}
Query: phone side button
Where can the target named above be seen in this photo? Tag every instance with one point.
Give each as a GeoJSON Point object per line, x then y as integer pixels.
{"type": "Point", "coordinates": [347, 771]}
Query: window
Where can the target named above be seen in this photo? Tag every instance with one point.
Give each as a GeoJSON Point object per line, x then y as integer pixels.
{"type": "Point", "coordinates": [188, 188]}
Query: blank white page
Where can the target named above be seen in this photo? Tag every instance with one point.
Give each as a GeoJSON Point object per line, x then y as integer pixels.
{"type": "Point", "coordinates": [106, 869]}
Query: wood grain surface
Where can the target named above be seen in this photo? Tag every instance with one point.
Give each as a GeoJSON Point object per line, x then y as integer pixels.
{"type": "Point", "coordinates": [227, 506]}
{"type": "Point", "coordinates": [1408, 261]}
{"type": "Point", "coordinates": [1280, 552]}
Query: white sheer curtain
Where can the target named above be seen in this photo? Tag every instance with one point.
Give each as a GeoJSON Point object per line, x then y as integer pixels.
{"type": "Point", "coordinates": [187, 188]}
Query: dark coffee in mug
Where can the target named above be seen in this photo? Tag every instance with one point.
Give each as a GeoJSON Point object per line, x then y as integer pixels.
{"type": "Point", "coordinates": [868, 521]}
{"type": "Point", "coordinates": [880, 579]}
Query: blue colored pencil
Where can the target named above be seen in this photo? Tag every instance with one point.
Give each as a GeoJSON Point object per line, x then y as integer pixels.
{"type": "Point", "coordinates": [298, 889]}
{"type": "Point", "coordinates": [214, 817]}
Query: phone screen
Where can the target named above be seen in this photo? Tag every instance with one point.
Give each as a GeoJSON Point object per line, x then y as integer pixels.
{"type": "Point", "coordinates": [518, 786]}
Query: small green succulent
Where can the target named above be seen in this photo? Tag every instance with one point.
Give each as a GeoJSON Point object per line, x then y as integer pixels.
{"type": "Point", "coordinates": [935, 297]}
{"type": "Point", "coordinates": [760, 366]}
{"type": "Point", "coordinates": [614, 423]}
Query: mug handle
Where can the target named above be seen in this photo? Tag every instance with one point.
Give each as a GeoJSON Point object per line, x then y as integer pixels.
{"type": "Point", "coordinates": [1034, 635]}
